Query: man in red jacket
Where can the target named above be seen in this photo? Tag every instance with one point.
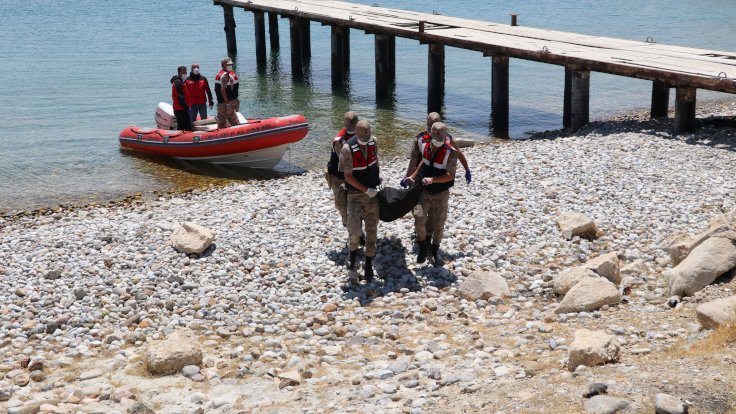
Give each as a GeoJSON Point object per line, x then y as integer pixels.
{"type": "Point", "coordinates": [199, 92]}
{"type": "Point", "coordinates": [180, 96]}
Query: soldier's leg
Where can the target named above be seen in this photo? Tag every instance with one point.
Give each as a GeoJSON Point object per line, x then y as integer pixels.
{"type": "Point", "coordinates": [354, 219]}
{"type": "Point", "coordinates": [439, 215]}
{"type": "Point", "coordinates": [232, 116]}
{"type": "Point", "coordinates": [420, 216]}
{"type": "Point", "coordinates": [222, 116]}
{"type": "Point", "coordinates": [370, 216]}
{"type": "Point", "coordinates": [341, 197]}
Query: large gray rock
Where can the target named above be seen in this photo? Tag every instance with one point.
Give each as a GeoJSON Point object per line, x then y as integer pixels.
{"type": "Point", "coordinates": [483, 285]}
{"type": "Point", "coordinates": [174, 353]}
{"type": "Point", "coordinates": [577, 224]}
{"type": "Point", "coordinates": [607, 266]}
{"type": "Point", "coordinates": [667, 404]}
{"type": "Point", "coordinates": [592, 348]}
{"type": "Point", "coordinates": [679, 246]}
{"type": "Point", "coordinates": [192, 238]}
{"type": "Point", "coordinates": [589, 294]}
{"type": "Point", "coordinates": [712, 258]}
{"type": "Point", "coordinates": [603, 404]}
{"type": "Point", "coordinates": [566, 279]}
{"type": "Point", "coordinates": [717, 312]}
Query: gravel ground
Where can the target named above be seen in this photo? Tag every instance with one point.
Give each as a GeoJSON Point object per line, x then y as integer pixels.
{"type": "Point", "coordinates": [84, 290]}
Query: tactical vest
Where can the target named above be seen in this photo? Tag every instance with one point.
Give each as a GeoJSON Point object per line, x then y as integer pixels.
{"type": "Point", "coordinates": [332, 166]}
{"type": "Point", "coordinates": [365, 169]}
{"type": "Point", "coordinates": [435, 165]}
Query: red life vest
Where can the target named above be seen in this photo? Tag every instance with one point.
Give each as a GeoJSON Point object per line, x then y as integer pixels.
{"type": "Point", "coordinates": [197, 90]}
{"type": "Point", "coordinates": [231, 87]}
{"type": "Point", "coordinates": [365, 169]}
{"type": "Point", "coordinates": [175, 96]}
{"type": "Point", "coordinates": [435, 165]}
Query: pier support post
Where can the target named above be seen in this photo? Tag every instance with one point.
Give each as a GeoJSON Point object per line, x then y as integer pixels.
{"type": "Point", "coordinates": [579, 98]}
{"type": "Point", "coordinates": [295, 32]}
{"type": "Point", "coordinates": [260, 30]}
{"type": "Point", "coordinates": [566, 100]}
{"type": "Point", "coordinates": [383, 66]}
{"type": "Point", "coordinates": [436, 77]}
{"type": "Point", "coordinates": [340, 54]}
{"type": "Point", "coordinates": [660, 99]}
{"type": "Point", "coordinates": [500, 96]}
{"type": "Point", "coordinates": [232, 46]}
{"type": "Point", "coordinates": [392, 58]}
{"type": "Point", "coordinates": [306, 39]}
{"type": "Point", "coordinates": [685, 110]}
{"type": "Point", "coordinates": [273, 29]}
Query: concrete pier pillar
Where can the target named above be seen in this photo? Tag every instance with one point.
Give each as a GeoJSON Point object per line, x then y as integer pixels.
{"type": "Point", "coordinates": [340, 54]}
{"type": "Point", "coordinates": [295, 35]}
{"type": "Point", "coordinates": [260, 31]}
{"type": "Point", "coordinates": [232, 46]}
{"type": "Point", "coordinates": [273, 29]}
{"type": "Point", "coordinates": [685, 110]}
{"type": "Point", "coordinates": [660, 99]}
{"type": "Point", "coordinates": [392, 58]}
{"type": "Point", "coordinates": [500, 96]}
{"type": "Point", "coordinates": [306, 39]}
{"type": "Point", "coordinates": [579, 98]}
{"type": "Point", "coordinates": [383, 67]}
{"type": "Point", "coordinates": [436, 78]}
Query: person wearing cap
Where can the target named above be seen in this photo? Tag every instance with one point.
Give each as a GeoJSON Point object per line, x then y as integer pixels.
{"type": "Point", "coordinates": [439, 162]}
{"type": "Point", "coordinates": [335, 176]}
{"type": "Point", "coordinates": [199, 92]}
{"type": "Point", "coordinates": [180, 96]}
{"type": "Point", "coordinates": [226, 90]}
{"type": "Point", "coordinates": [359, 163]}
{"type": "Point", "coordinates": [423, 137]}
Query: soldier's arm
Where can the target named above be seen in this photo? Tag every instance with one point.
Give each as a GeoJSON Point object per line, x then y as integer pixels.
{"type": "Point", "coordinates": [346, 162]}
{"type": "Point", "coordinates": [413, 159]}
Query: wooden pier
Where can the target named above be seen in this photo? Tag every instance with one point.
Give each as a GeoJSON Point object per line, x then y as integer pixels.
{"type": "Point", "coordinates": [682, 68]}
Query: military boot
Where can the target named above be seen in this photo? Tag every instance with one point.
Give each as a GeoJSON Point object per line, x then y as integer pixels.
{"type": "Point", "coordinates": [368, 268]}
{"type": "Point", "coordinates": [352, 258]}
{"type": "Point", "coordinates": [436, 255]}
{"type": "Point", "coordinates": [423, 247]}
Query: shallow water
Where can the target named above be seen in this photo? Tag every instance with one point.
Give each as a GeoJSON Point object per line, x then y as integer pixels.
{"type": "Point", "coordinates": [78, 72]}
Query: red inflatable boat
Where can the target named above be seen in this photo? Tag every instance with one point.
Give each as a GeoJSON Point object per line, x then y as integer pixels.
{"type": "Point", "coordinates": [256, 143]}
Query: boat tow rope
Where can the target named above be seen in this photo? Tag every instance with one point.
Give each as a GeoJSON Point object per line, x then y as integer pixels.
{"type": "Point", "coordinates": [156, 131]}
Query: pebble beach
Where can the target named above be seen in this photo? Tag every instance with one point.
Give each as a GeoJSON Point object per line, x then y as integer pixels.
{"type": "Point", "coordinates": [86, 291]}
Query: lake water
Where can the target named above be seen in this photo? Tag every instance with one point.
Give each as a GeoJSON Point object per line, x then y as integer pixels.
{"type": "Point", "coordinates": [77, 72]}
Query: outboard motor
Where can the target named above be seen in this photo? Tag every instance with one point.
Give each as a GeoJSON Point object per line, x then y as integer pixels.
{"type": "Point", "coordinates": [165, 118]}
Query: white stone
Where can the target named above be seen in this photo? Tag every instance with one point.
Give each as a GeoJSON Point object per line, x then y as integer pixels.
{"type": "Point", "coordinates": [192, 238]}
{"type": "Point", "coordinates": [702, 266]}
{"type": "Point", "coordinates": [717, 312]}
{"type": "Point", "coordinates": [589, 294]}
{"type": "Point", "coordinates": [178, 350]}
{"type": "Point", "coordinates": [574, 224]}
{"type": "Point", "coordinates": [483, 285]}
{"type": "Point", "coordinates": [592, 348]}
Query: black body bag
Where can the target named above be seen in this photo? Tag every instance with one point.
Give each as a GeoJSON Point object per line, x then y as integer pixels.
{"type": "Point", "coordinates": [394, 203]}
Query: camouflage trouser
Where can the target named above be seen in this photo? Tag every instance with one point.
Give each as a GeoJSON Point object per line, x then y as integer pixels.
{"type": "Point", "coordinates": [341, 196]}
{"type": "Point", "coordinates": [430, 215]}
{"type": "Point", "coordinates": [226, 113]}
{"type": "Point", "coordinates": [362, 207]}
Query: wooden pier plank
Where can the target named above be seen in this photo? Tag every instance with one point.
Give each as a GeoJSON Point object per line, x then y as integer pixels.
{"type": "Point", "coordinates": [685, 66]}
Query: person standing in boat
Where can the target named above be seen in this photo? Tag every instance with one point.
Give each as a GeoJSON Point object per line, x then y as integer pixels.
{"type": "Point", "coordinates": [335, 176]}
{"type": "Point", "coordinates": [424, 137]}
{"type": "Point", "coordinates": [180, 96]}
{"type": "Point", "coordinates": [359, 163]}
{"type": "Point", "coordinates": [439, 162]}
{"type": "Point", "coordinates": [199, 92]}
{"type": "Point", "coordinates": [226, 90]}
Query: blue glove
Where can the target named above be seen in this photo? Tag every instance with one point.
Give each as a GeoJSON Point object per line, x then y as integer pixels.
{"type": "Point", "coordinates": [468, 177]}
